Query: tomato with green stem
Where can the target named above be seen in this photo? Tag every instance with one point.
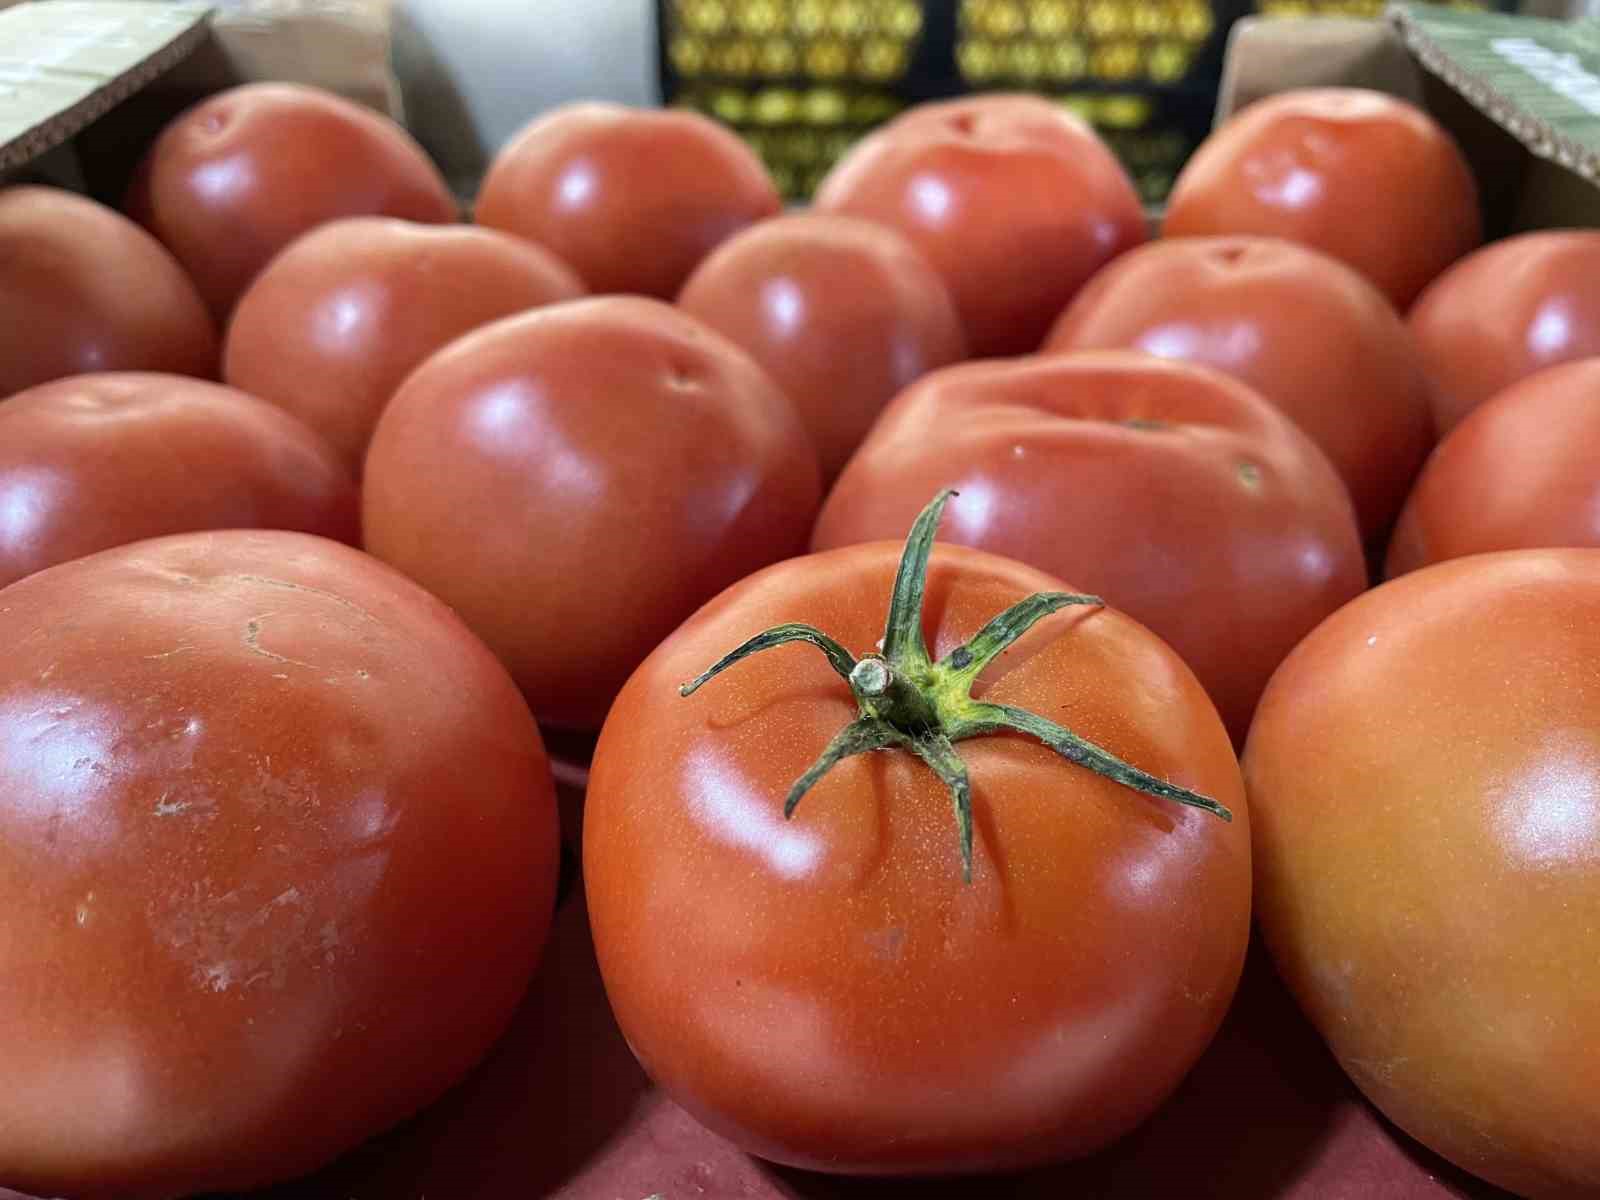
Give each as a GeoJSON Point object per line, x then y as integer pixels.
{"type": "Point", "coordinates": [1083, 919]}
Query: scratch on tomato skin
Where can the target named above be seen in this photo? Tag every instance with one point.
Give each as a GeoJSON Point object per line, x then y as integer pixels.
{"type": "Point", "coordinates": [180, 648]}
{"type": "Point", "coordinates": [252, 642]}
{"type": "Point", "coordinates": [290, 586]}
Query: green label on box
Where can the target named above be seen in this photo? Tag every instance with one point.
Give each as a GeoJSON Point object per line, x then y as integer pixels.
{"type": "Point", "coordinates": [1538, 78]}
{"type": "Point", "coordinates": [64, 63]}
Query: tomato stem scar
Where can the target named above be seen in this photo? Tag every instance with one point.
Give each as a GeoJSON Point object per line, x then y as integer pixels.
{"type": "Point", "coordinates": [907, 700]}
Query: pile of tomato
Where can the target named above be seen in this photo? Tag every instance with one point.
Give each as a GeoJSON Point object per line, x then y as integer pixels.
{"type": "Point", "coordinates": [968, 610]}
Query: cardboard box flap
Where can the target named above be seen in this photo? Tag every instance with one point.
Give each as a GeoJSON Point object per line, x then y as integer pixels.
{"type": "Point", "coordinates": [1538, 79]}
{"type": "Point", "coordinates": [66, 63]}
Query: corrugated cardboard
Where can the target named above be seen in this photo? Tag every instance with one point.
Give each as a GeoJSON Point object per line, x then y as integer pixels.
{"type": "Point", "coordinates": [84, 105]}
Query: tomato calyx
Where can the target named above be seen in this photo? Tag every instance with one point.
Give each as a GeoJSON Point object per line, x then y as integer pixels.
{"type": "Point", "coordinates": [907, 700]}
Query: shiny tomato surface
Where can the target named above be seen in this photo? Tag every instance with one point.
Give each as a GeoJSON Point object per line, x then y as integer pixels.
{"type": "Point", "coordinates": [1013, 199]}
{"type": "Point", "coordinates": [1365, 177]}
{"type": "Point", "coordinates": [1513, 308]}
{"type": "Point", "coordinates": [576, 481]}
{"type": "Point", "coordinates": [1307, 332]}
{"type": "Point", "coordinates": [97, 461]}
{"type": "Point", "coordinates": [831, 994]}
{"type": "Point", "coordinates": [1172, 490]}
{"type": "Point", "coordinates": [82, 288]}
{"type": "Point", "coordinates": [239, 176]}
{"type": "Point", "coordinates": [333, 324]}
{"type": "Point", "coordinates": [1423, 775]}
{"type": "Point", "coordinates": [1520, 472]}
{"type": "Point", "coordinates": [841, 312]}
{"type": "Point", "coordinates": [277, 858]}
{"type": "Point", "coordinates": [632, 198]}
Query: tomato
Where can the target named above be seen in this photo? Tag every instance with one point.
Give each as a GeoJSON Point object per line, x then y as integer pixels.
{"type": "Point", "coordinates": [1013, 199]}
{"type": "Point", "coordinates": [336, 321]}
{"type": "Point", "coordinates": [1084, 938]}
{"type": "Point", "coordinates": [97, 461]}
{"type": "Point", "coordinates": [1172, 490]}
{"type": "Point", "coordinates": [277, 858]}
{"type": "Point", "coordinates": [82, 288]}
{"type": "Point", "coordinates": [239, 176]}
{"type": "Point", "coordinates": [1365, 177]}
{"type": "Point", "coordinates": [1513, 308]}
{"type": "Point", "coordinates": [633, 198]}
{"type": "Point", "coordinates": [1423, 773]}
{"type": "Point", "coordinates": [841, 312]}
{"type": "Point", "coordinates": [1304, 330]}
{"type": "Point", "coordinates": [576, 481]}
{"type": "Point", "coordinates": [1519, 472]}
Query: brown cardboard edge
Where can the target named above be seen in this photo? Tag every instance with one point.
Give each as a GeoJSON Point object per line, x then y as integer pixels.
{"type": "Point", "coordinates": [70, 122]}
{"type": "Point", "coordinates": [1533, 133]}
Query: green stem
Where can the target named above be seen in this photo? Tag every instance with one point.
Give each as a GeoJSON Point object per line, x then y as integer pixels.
{"type": "Point", "coordinates": [903, 699]}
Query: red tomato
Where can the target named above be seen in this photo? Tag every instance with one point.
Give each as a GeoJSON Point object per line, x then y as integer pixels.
{"type": "Point", "coordinates": [97, 461]}
{"type": "Point", "coordinates": [336, 321]}
{"type": "Point", "coordinates": [1304, 330]}
{"type": "Point", "coordinates": [632, 198]}
{"type": "Point", "coordinates": [277, 858]}
{"type": "Point", "coordinates": [1360, 175]}
{"type": "Point", "coordinates": [842, 313]}
{"type": "Point", "coordinates": [239, 176]}
{"type": "Point", "coordinates": [1013, 199]}
{"type": "Point", "coordinates": [1424, 773]}
{"type": "Point", "coordinates": [82, 288]}
{"type": "Point", "coordinates": [578, 480]}
{"type": "Point", "coordinates": [833, 995]}
{"type": "Point", "coordinates": [1519, 472]}
{"type": "Point", "coordinates": [1513, 308]}
{"type": "Point", "coordinates": [1172, 490]}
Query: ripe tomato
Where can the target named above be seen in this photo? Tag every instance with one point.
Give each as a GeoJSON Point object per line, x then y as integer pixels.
{"type": "Point", "coordinates": [239, 176]}
{"type": "Point", "coordinates": [1013, 199]}
{"type": "Point", "coordinates": [82, 288]}
{"type": "Point", "coordinates": [841, 312]}
{"type": "Point", "coordinates": [1423, 774]}
{"type": "Point", "coordinates": [1172, 490]}
{"type": "Point", "coordinates": [805, 1003]}
{"type": "Point", "coordinates": [1513, 308]}
{"type": "Point", "coordinates": [260, 800]}
{"type": "Point", "coordinates": [632, 198]}
{"type": "Point", "coordinates": [1307, 332]}
{"type": "Point", "coordinates": [576, 481]}
{"type": "Point", "coordinates": [1362, 176]}
{"type": "Point", "coordinates": [97, 461]}
{"type": "Point", "coordinates": [336, 321]}
{"type": "Point", "coordinates": [1519, 472]}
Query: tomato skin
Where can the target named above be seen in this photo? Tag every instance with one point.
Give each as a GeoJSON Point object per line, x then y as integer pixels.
{"type": "Point", "coordinates": [82, 288]}
{"type": "Point", "coordinates": [1230, 567]}
{"type": "Point", "coordinates": [97, 461]}
{"type": "Point", "coordinates": [1014, 201]}
{"type": "Point", "coordinates": [233, 180]}
{"type": "Point", "coordinates": [632, 198]}
{"type": "Point", "coordinates": [573, 541]}
{"type": "Point", "coordinates": [805, 1004]}
{"type": "Point", "coordinates": [336, 322]}
{"type": "Point", "coordinates": [245, 870]}
{"type": "Point", "coordinates": [1518, 473]}
{"type": "Point", "coordinates": [1307, 332]}
{"type": "Point", "coordinates": [841, 312]}
{"type": "Point", "coordinates": [1421, 776]}
{"type": "Point", "coordinates": [1365, 177]}
{"type": "Point", "coordinates": [1515, 307]}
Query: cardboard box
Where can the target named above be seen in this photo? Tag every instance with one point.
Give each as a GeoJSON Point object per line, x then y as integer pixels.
{"type": "Point", "coordinates": [86, 84]}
